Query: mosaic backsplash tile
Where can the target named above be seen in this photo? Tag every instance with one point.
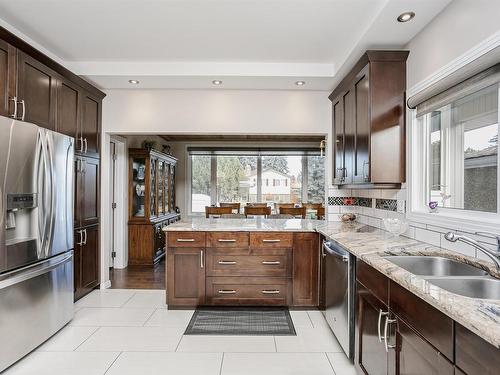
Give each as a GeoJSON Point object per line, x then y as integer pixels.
{"type": "Point", "coordinates": [386, 204]}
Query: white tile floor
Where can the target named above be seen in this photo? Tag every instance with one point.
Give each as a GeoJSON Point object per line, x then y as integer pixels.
{"type": "Point", "coordinates": [131, 332]}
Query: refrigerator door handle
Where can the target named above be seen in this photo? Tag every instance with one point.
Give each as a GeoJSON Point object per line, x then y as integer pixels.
{"type": "Point", "coordinates": [69, 195]}
{"type": "Point", "coordinates": [51, 214]}
{"type": "Point", "coordinates": [34, 270]}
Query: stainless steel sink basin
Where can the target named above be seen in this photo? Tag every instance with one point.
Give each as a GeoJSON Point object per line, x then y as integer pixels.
{"type": "Point", "coordinates": [435, 266]}
{"type": "Point", "coordinates": [486, 288]}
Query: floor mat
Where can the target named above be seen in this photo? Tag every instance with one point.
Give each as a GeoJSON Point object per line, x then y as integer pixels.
{"type": "Point", "coordinates": [241, 321]}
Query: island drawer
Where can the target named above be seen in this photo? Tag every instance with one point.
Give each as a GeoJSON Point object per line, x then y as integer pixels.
{"type": "Point", "coordinates": [186, 239]}
{"type": "Point", "coordinates": [247, 291]}
{"type": "Point", "coordinates": [271, 240]}
{"type": "Point", "coordinates": [226, 264]}
{"type": "Point", "coordinates": [227, 239]}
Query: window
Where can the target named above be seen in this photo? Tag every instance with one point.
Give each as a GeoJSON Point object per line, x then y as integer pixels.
{"type": "Point", "coordinates": [247, 175]}
{"type": "Point", "coordinates": [462, 144]}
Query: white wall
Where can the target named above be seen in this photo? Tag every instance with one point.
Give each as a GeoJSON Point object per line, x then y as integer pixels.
{"type": "Point", "coordinates": [459, 27]}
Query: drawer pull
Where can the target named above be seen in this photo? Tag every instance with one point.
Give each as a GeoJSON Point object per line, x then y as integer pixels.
{"type": "Point", "coordinates": [185, 240]}
{"type": "Point", "coordinates": [226, 240]}
{"type": "Point", "coordinates": [271, 240]}
{"type": "Point", "coordinates": [227, 291]}
{"type": "Point", "coordinates": [271, 262]}
{"type": "Point", "coordinates": [226, 262]}
{"type": "Point", "coordinates": [270, 292]}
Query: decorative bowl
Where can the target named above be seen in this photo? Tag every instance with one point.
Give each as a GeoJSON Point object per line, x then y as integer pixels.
{"type": "Point", "coordinates": [395, 226]}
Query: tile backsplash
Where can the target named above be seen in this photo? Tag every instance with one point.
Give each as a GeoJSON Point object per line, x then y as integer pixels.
{"type": "Point", "coordinates": [371, 206]}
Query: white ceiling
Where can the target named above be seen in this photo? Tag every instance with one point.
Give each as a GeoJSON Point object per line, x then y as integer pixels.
{"type": "Point", "coordinates": [255, 44]}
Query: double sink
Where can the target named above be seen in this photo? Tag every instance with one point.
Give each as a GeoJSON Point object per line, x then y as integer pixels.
{"type": "Point", "coordinates": [453, 276]}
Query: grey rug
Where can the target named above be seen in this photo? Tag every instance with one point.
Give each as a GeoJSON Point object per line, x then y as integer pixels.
{"type": "Point", "coordinates": [241, 321]}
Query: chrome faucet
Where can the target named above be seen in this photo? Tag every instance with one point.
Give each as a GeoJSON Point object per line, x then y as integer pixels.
{"type": "Point", "coordinates": [493, 255]}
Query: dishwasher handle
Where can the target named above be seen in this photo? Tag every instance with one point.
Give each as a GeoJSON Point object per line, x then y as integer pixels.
{"type": "Point", "coordinates": [334, 252]}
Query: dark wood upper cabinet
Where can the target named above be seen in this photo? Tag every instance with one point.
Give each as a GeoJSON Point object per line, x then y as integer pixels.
{"type": "Point", "coordinates": [369, 121]}
{"type": "Point", "coordinates": [7, 78]}
{"type": "Point", "coordinates": [68, 109]}
{"type": "Point", "coordinates": [91, 124]}
{"type": "Point", "coordinates": [36, 92]}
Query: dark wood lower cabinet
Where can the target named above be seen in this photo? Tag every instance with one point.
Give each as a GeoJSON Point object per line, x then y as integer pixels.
{"type": "Point", "coordinates": [420, 339]}
{"type": "Point", "coordinates": [371, 357]}
{"type": "Point", "coordinates": [86, 260]}
{"type": "Point", "coordinates": [415, 356]}
{"type": "Point", "coordinates": [186, 276]}
{"type": "Point", "coordinates": [305, 269]}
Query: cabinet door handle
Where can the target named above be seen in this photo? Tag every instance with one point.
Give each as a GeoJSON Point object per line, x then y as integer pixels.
{"type": "Point", "coordinates": [202, 261]}
{"type": "Point", "coordinates": [14, 99]}
{"type": "Point", "coordinates": [386, 329]}
{"type": "Point", "coordinates": [23, 104]}
{"type": "Point", "coordinates": [86, 144]}
{"type": "Point", "coordinates": [226, 240]}
{"type": "Point", "coordinates": [85, 237]}
{"type": "Point", "coordinates": [380, 315]}
{"type": "Point", "coordinates": [79, 232]}
{"type": "Point", "coordinates": [78, 165]}
{"type": "Point", "coordinates": [185, 240]}
{"type": "Point", "coordinates": [226, 262]}
{"type": "Point", "coordinates": [270, 292]}
{"type": "Point", "coordinates": [271, 262]}
{"type": "Point", "coordinates": [225, 291]}
{"type": "Point", "coordinates": [271, 240]}
{"type": "Point", "coordinates": [81, 144]}
{"type": "Point", "coordinates": [366, 175]}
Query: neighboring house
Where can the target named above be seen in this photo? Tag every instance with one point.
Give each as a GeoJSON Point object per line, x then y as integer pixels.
{"type": "Point", "coordinates": [480, 179]}
{"type": "Point", "coordinates": [276, 186]}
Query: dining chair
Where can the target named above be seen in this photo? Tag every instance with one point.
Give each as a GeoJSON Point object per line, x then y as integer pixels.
{"type": "Point", "coordinates": [294, 211]}
{"type": "Point", "coordinates": [234, 206]}
{"type": "Point", "coordinates": [284, 205]}
{"type": "Point", "coordinates": [320, 213]}
{"type": "Point", "coordinates": [313, 206]}
{"type": "Point", "coordinates": [257, 211]}
{"type": "Point", "coordinates": [217, 211]}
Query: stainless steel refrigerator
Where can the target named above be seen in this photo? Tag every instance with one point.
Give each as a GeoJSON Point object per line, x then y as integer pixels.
{"type": "Point", "coordinates": [36, 236]}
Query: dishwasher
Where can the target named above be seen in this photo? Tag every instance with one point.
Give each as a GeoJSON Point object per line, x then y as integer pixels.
{"type": "Point", "coordinates": [339, 281]}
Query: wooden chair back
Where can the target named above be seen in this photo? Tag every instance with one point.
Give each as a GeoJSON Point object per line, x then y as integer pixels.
{"type": "Point", "coordinates": [294, 211]}
{"type": "Point", "coordinates": [234, 206]}
{"type": "Point", "coordinates": [284, 205]}
{"type": "Point", "coordinates": [256, 204]}
{"type": "Point", "coordinates": [257, 211]}
{"type": "Point", "coordinates": [320, 213]}
{"type": "Point", "coordinates": [232, 216]}
{"type": "Point", "coordinates": [217, 211]}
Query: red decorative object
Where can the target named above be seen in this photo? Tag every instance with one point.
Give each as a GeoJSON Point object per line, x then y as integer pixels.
{"type": "Point", "coordinates": [349, 201]}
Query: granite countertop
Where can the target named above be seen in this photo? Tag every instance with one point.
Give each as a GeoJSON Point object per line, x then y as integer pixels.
{"type": "Point", "coordinates": [371, 245]}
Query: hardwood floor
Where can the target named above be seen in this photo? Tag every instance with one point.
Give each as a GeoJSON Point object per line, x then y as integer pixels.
{"type": "Point", "coordinates": [139, 277]}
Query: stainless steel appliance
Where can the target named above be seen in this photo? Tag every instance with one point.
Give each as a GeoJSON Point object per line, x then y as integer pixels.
{"type": "Point", "coordinates": [339, 275]}
{"type": "Point", "coordinates": [36, 236]}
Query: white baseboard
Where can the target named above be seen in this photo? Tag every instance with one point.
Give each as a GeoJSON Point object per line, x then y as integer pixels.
{"type": "Point", "coordinates": [106, 285]}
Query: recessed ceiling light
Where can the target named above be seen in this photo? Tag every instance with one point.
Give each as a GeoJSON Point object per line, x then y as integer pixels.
{"type": "Point", "coordinates": [217, 82]}
{"type": "Point", "coordinates": [133, 81]}
{"type": "Point", "coordinates": [300, 83]}
{"type": "Point", "coordinates": [406, 16]}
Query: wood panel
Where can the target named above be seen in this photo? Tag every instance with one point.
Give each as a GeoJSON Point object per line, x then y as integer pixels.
{"type": "Point", "coordinates": [361, 156]}
{"type": "Point", "coordinates": [370, 355]}
{"type": "Point", "coordinates": [7, 78]}
{"type": "Point", "coordinates": [185, 277]}
{"type": "Point", "coordinates": [90, 259]}
{"type": "Point", "coordinates": [474, 355]}
{"type": "Point", "coordinates": [68, 110]}
{"type": "Point", "coordinates": [305, 269]}
{"type": "Point", "coordinates": [91, 124]}
{"type": "Point", "coordinates": [373, 280]}
{"type": "Point", "coordinates": [429, 322]}
{"type": "Point", "coordinates": [224, 263]}
{"type": "Point", "coordinates": [271, 240]}
{"type": "Point", "coordinates": [139, 277]}
{"type": "Point", "coordinates": [228, 239]}
{"type": "Point", "coordinates": [37, 87]}
{"type": "Point", "coordinates": [415, 356]}
{"type": "Point", "coordinates": [186, 239]}
{"type": "Point", "coordinates": [90, 188]}
{"type": "Point", "coordinates": [140, 243]}
{"type": "Point", "coordinates": [254, 291]}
